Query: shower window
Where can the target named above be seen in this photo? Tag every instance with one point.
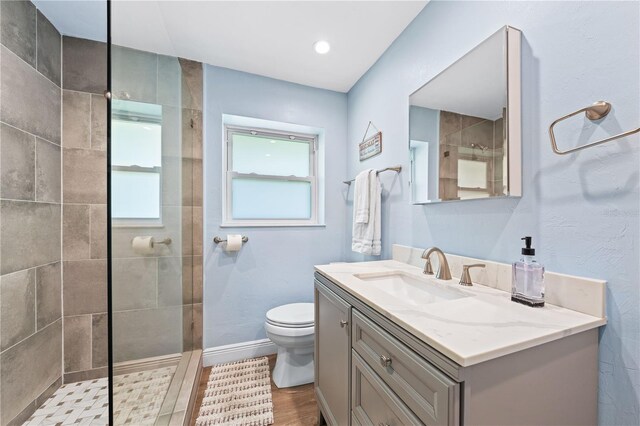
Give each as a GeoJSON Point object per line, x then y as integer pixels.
{"type": "Point", "coordinates": [270, 178]}
{"type": "Point", "coordinates": [136, 163]}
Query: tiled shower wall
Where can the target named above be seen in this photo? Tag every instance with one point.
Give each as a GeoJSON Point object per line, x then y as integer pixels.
{"type": "Point", "coordinates": [457, 134]}
{"type": "Point", "coordinates": [30, 211]}
{"type": "Point", "coordinates": [84, 213]}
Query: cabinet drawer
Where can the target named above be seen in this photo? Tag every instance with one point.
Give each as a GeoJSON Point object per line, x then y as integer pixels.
{"type": "Point", "coordinates": [373, 403]}
{"type": "Point", "coordinates": [431, 395]}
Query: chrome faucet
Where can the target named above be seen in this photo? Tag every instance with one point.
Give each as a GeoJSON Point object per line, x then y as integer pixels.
{"type": "Point", "coordinates": [443, 266]}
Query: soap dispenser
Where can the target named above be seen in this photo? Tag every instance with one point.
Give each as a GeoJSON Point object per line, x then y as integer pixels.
{"type": "Point", "coordinates": [527, 285]}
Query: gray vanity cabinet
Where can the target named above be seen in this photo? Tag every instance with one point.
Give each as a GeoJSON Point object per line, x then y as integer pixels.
{"type": "Point", "coordinates": [371, 371]}
{"type": "Point", "coordinates": [332, 355]}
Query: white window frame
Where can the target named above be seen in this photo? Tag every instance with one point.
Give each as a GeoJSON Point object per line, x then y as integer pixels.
{"type": "Point", "coordinates": [227, 197]}
{"type": "Point", "coordinates": [138, 222]}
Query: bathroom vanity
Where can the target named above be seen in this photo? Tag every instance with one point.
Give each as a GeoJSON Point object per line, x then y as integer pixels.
{"type": "Point", "coordinates": [397, 347]}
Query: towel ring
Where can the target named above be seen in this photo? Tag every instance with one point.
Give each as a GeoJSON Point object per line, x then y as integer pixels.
{"type": "Point", "coordinates": [596, 111]}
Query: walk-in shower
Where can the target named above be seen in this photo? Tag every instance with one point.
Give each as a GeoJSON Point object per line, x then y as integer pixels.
{"type": "Point", "coordinates": [100, 219]}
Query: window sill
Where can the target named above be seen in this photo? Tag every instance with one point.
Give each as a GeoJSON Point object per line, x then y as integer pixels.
{"type": "Point", "coordinates": [272, 225]}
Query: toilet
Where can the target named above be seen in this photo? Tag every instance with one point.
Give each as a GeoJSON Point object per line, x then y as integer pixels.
{"type": "Point", "coordinates": [290, 328]}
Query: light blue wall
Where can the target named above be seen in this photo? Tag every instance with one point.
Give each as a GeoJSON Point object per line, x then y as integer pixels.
{"type": "Point", "coordinates": [425, 126]}
{"type": "Point", "coordinates": [581, 209]}
{"type": "Point", "coordinates": [276, 265]}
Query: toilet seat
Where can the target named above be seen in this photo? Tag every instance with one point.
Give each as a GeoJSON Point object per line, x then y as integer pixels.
{"type": "Point", "coordinates": [293, 315]}
{"type": "Point", "coordinates": [288, 331]}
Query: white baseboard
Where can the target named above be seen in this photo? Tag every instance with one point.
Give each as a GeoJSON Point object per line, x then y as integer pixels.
{"type": "Point", "coordinates": [238, 351]}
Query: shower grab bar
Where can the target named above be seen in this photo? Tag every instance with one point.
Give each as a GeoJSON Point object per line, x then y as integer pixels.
{"type": "Point", "coordinates": [596, 111]}
{"type": "Point", "coordinates": [396, 169]}
{"type": "Point", "coordinates": [219, 240]}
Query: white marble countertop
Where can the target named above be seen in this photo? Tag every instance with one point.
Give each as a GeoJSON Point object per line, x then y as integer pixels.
{"type": "Point", "coordinates": [469, 330]}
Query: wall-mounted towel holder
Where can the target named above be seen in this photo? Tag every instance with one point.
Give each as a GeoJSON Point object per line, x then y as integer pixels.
{"type": "Point", "coordinates": [396, 169]}
{"type": "Point", "coordinates": [593, 112]}
{"type": "Point", "coordinates": [219, 240]}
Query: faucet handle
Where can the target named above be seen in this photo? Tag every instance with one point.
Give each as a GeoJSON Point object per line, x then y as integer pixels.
{"type": "Point", "coordinates": [465, 279]}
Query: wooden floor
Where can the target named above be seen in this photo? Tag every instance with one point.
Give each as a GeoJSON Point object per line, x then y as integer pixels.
{"type": "Point", "coordinates": [291, 406]}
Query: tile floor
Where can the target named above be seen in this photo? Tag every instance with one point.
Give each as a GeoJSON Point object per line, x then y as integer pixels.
{"type": "Point", "coordinates": [137, 400]}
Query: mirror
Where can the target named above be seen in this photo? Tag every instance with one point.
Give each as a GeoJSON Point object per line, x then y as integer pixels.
{"type": "Point", "coordinates": [464, 126]}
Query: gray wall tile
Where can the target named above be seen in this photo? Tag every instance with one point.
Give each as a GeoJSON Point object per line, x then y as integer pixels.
{"type": "Point", "coordinates": [76, 241]}
{"type": "Point", "coordinates": [170, 288]}
{"type": "Point", "coordinates": [135, 74]}
{"type": "Point", "coordinates": [28, 369]}
{"type": "Point", "coordinates": [30, 234]}
{"type": "Point", "coordinates": [30, 101]}
{"type": "Point", "coordinates": [78, 376]}
{"type": "Point", "coordinates": [76, 113]}
{"type": "Point", "coordinates": [84, 176]}
{"type": "Point", "coordinates": [17, 164]}
{"type": "Point", "coordinates": [191, 84]}
{"type": "Point", "coordinates": [84, 64]}
{"type": "Point", "coordinates": [99, 231]}
{"type": "Point", "coordinates": [197, 279]}
{"type": "Point", "coordinates": [169, 80]}
{"type": "Point", "coordinates": [99, 349]}
{"type": "Point", "coordinates": [18, 29]}
{"type": "Point", "coordinates": [77, 343]}
{"type": "Point", "coordinates": [146, 333]}
{"type": "Point", "coordinates": [84, 287]}
{"type": "Point", "coordinates": [48, 165]}
{"type": "Point", "coordinates": [98, 122]}
{"type": "Point", "coordinates": [17, 307]}
{"type": "Point", "coordinates": [135, 283]}
{"type": "Point", "coordinates": [49, 50]}
{"type": "Point", "coordinates": [48, 294]}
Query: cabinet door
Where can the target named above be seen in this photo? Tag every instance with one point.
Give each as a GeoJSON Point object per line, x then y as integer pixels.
{"type": "Point", "coordinates": [332, 356]}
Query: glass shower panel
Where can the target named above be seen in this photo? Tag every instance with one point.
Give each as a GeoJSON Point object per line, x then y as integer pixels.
{"type": "Point", "coordinates": [151, 193]}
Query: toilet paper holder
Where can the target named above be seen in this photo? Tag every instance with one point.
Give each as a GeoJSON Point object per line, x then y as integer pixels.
{"type": "Point", "coordinates": [165, 241]}
{"type": "Point", "coordinates": [219, 240]}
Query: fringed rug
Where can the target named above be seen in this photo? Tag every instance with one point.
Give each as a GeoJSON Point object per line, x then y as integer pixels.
{"type": "Point", "coordinates": [238, 393]}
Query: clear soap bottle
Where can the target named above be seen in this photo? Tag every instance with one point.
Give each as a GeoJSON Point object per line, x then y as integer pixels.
{"type": "Point", "coordinates": [527, 285]}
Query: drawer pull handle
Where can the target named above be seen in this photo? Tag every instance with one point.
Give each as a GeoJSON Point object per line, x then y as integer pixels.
{"type": "Point", "coordinates": [343, 323]}
{"type": "Point", "coordinates": [385, 361]}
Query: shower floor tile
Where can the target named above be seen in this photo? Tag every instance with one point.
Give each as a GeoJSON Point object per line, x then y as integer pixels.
{"type": "Point", "coordinates": [137, 400]}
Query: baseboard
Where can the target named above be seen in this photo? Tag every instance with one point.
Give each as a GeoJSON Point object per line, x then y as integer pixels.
{"type": "Point", "coordinates": [238, 351]}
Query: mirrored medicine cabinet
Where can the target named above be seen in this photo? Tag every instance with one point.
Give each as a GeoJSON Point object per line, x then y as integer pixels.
{"type": "Point", "coordinates": [464, 126]}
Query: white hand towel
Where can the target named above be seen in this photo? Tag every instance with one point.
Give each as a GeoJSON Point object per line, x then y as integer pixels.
{"type": "Point", "coordinates": [366, 236]}
{"type": "Point", "coordinates": [361, 197]}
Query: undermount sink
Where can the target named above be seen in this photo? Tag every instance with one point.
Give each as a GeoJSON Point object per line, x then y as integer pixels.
{"type": "Point", "coordinates": [412, 290]}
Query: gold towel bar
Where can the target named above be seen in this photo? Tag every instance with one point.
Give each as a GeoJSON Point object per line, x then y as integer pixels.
{"type": "Point", "coordinates": [593, 112]}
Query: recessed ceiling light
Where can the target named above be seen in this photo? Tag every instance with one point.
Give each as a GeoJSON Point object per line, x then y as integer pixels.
{"type": "Point", "coordinates": [322, 47]}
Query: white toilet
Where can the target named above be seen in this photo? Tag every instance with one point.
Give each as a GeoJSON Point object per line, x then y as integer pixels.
{"type": "Point", "coordinates": [291, 328]}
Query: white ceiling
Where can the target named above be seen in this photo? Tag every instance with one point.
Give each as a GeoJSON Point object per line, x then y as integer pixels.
{"type": "Point", "coordinates": [269, 38]}
{"type": "Point", "coordinates": [475, 85]}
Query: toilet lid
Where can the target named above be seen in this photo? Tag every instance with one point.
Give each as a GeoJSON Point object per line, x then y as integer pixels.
{"type": "Point", "coordinates": [292, 315]}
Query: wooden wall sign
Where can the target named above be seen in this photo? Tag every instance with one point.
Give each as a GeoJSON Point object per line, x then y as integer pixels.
{"type": "Point", "coordinates": [371, 147]}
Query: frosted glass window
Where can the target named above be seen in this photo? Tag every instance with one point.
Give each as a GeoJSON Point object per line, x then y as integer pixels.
{"type": "Point", "coordinates": [271, 199]}
{"type": "Point", "coordinates": [135, 195]}
{"type": "Point", "coordinates": [271, 178]}
{"type": "Point", "coordinates": [136, 158]}
{"type": "Point", "coordinates": [472, 174]}
{"type": "Point", "coordinates": [136, 143]}
{"type": "Point", "coordinates": [269, 155]}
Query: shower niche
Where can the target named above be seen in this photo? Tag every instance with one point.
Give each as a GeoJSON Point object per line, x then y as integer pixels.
{"type": "Point", "coordinates": [464, 126]}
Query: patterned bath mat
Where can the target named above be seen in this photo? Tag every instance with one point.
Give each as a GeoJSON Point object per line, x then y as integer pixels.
{"type": "Point", "coordinates": [238, 393]}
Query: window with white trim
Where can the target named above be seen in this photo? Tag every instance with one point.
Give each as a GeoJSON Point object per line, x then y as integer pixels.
{"type": "Point", "coordinates": [136, 163]}
{"type": "Point", "coordinates": [271, 178]}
